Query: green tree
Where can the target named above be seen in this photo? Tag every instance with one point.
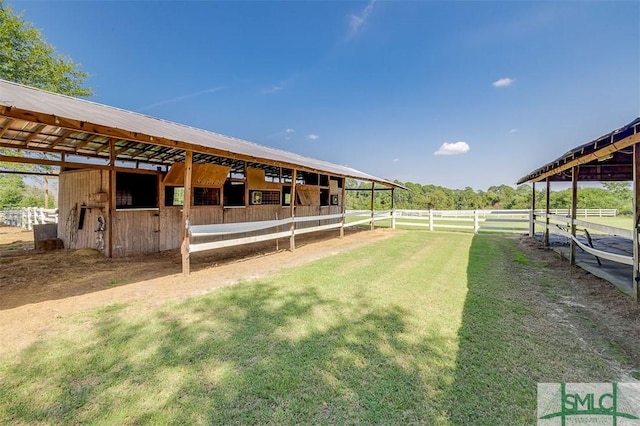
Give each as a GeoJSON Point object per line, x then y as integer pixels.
{"type": "Point", "coordinates": [12, 190]}
{"type": "Point", "coordinates": [26, 58]}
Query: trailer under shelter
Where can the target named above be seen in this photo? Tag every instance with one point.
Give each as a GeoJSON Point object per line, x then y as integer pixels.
{"type": "Point", "coordinates": [610, 158]}
{"type": "Point", "coordinates": [131, 184]}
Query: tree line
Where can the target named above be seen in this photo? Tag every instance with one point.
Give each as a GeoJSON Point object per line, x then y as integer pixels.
{"type": "Point", "coordinates": [612, 195]}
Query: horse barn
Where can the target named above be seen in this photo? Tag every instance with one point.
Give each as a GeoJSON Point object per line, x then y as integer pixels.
{"type": "Point", "coordinates": [613, 254]}
{"type": "Point", "coordinates": [130, 184]}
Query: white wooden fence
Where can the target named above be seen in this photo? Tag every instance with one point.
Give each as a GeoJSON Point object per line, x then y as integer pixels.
{"type": "Point", "coordinates": [469, 220]}
{"type": "Point", "coordinates": [560, 224]}
{"type": "Point", "coordinates": [582, 212]}
{"type": "Point", "coordinates": [26, 217]}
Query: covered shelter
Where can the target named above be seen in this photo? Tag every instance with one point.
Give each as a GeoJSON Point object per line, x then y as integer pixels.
{"type": "Point", "coordinates": [611, 157]}
{"type": "Point", "coordinates": [131, 184]}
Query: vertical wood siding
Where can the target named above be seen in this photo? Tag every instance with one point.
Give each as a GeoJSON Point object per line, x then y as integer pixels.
{"type": "Point", "coordinates": [75, 188]}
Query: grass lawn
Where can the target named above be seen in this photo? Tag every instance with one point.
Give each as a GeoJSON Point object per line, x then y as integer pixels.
{"type": "Point", "coordinates": [438, 328]}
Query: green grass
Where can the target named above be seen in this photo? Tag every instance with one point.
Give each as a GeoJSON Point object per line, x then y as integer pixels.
{"type": "Point", "coordinates": [437, 328]}
{"type": "Point", "coordinates": [624, 222]}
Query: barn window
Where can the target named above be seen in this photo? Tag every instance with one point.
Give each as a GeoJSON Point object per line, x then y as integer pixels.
{"type": "Point", "coordinates": [135, 190]}
{"type": "Point", "coordinates": [173, 196]}
{"type": "Point", "coordinates": [234, 194]}
{"type": "Point", "coordinates": [306, 178]}
{"type": "Point", "coordinates": [324, 197]}
{"type": "Point", "coordinates": [286, 195]}
{"type": "Point", "coordinates": [206, 196]}
{"type": "Point", "coordinates": [264, 197]}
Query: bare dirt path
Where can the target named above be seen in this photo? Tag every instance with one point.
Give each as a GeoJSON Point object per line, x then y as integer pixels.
{"type": "Point", "coordinates": [39, 290]}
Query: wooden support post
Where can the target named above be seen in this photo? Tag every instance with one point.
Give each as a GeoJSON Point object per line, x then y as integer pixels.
{"type": "Point", "coordinates": [46, 192]}
{"type": "Point", "coordinates": [111, 208]}
{"type": "Point", "coordinates": [373, 191]}
{"type": "Point", "coordinates": [188, 167]}
{"type": "Point", "coordinates": [546, 225]}
{"type": "Point", "coordinates": [574, 204]}
{"type": "Point", "coordinates": [393, 210]}
{"type": "Point", "coordinates": [343, 205]}
{"type": "Point", "coordinates": [292, 239]}
{"type": "Point", "coordinates": [430, 219]}
{"type": "Point", "coordinates": [636, 215]}
{"type": "Point", "coordinates": [532, 215]}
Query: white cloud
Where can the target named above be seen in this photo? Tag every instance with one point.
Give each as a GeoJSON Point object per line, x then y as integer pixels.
{"type": "Point", "coordinates": [181, 98]}
{"type": "Point", "coordinates": [356, 21]}
{"type": "Point", "coordinates": [289, 130]}
{"type": "Point", "coordinates": [453, 148]}
{"type": "Point", "coordinates": [513, 131]}
{"type": "Point", "coordinates": [313, 137]}
{"type": "Point", "coordinates": [503, 82]}
{"type": "Point", "coordinates": [395, 160]}
{"type": "Point", "coordinates": [273, 89]}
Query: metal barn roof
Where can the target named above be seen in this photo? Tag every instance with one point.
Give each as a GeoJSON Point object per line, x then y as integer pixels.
{"type": "Point", "coordinates": [49, 122]}
{"type": "Point", "coordinates": [607, 158]}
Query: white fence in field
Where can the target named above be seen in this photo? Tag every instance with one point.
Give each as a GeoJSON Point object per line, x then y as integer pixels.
{"type": "Point", "coordinates": [471, 220]}
{"type": "Point", "coordinates": [582, 212]}
{"type": "Point", "coordinates": [26, 217]}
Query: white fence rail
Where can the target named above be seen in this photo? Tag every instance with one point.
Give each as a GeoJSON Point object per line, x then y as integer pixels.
{"type": "Point", "coordinates": [280, 228]}
{"type": "Point", "coordinates": [561, 224]}
{"type": "Point", "coordinates": [582, 212]}
{"type": "Point", "coordinates": [26, 217]}
{"type": "Point", "coordinates": [469, 220]}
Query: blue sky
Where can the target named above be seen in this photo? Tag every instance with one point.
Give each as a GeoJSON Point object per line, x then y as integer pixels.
{"type": "Point", "coordinates": [379, 86]}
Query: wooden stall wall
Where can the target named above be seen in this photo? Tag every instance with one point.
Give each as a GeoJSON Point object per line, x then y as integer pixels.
{"type": "Point", "coordinates": [170, 228]}
{"type": "Point", "coordinates": [82, 191]}
{"type": "Point", "coordinates": [136, 232]}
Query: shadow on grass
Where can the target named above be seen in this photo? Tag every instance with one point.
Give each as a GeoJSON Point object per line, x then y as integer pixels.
{"type": "Point", "coordinates": [508, 342]}
{"type": "Point", "coordinates": [245, 356]}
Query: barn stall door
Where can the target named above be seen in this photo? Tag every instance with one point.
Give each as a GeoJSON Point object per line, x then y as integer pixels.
{"type": "Point", "coordinates": [136, 232]}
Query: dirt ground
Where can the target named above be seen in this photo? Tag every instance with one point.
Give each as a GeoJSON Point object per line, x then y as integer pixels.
{"type": "Point", "coordinates": [39, 290]}
{"type": "Point", "coordinates": [595, 311]}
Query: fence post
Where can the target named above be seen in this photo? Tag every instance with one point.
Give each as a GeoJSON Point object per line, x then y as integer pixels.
{"type": "Point", "coordinates": [430, 219]}
{"type": "Point", "coordinates": [476, 226]}
{"type": "Point", "coordinates": [531, 223]}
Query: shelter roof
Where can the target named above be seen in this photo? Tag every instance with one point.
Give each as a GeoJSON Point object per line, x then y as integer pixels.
{"type": "Point", "coordinates": [607, 158]}
{"type": "Point", "coordinates": [48, 122]}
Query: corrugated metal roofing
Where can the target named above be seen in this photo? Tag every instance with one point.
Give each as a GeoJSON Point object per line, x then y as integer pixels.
{"type": "Point", "coordinates": [586, 152]}
{"type": "Point", "coordinates": [25, 98]}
